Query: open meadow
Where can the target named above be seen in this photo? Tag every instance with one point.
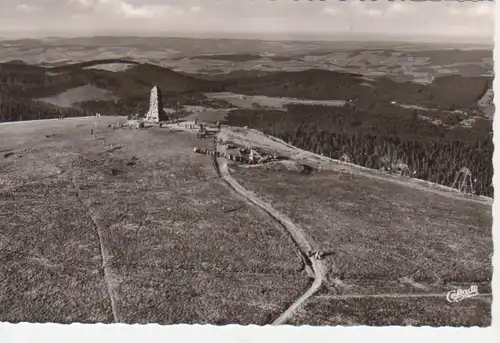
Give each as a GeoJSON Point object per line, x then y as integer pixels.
{"type": "Point", "coordinates": [131, 226]}
{"type": "Point", "coordinates": [388, 247]}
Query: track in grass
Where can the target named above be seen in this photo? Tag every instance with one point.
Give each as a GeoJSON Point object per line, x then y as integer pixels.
{"type": "Point", "coordinates": [295, 232]}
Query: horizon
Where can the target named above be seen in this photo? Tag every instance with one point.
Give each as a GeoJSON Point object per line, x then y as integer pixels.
{"type": "Point", "coordinates": [425, 22]}
{"type": "Point", "coordinates": [291, 37]}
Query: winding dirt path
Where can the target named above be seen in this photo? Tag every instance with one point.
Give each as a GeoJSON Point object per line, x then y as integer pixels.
{"type": "Point", "coordinates": [318, 269]}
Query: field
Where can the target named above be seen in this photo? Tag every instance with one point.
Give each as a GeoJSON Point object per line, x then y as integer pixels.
{"type": "Point", "coordinates": [241, 101]}
{"type": "Point", "coordinates": [127, 228]}
{"type": "Point", "coordinates": [78, 94]}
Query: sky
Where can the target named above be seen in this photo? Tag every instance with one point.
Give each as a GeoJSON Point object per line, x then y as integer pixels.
{"type": "Point", "coordinates": [415, 20]}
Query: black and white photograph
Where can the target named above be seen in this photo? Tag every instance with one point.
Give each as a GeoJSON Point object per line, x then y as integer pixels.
{"type": "Point", "coordinates": [320, 163]}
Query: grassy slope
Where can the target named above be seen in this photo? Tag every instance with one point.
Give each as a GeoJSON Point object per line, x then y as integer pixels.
{"type": "Point", "coordinates": [379, 234]}
{"type": "Point", "coordinates": [49, 258]}
{"type": "Point", "coordinates": [380, 230]}
{"type": "Point", "coordinates": [175, 255]}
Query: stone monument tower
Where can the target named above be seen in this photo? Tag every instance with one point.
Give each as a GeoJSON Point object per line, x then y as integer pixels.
{"type": "Point", "coordinates": [155, 113]}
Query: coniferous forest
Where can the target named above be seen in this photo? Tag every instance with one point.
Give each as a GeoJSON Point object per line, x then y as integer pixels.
{"type": "Point", "coordinates": [378, 132]}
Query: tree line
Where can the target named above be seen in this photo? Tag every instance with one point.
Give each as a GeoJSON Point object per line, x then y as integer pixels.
{"type": "Point", "coordinates": [371, 136]}
{"type": "Point", "coordinates": [18, 109]}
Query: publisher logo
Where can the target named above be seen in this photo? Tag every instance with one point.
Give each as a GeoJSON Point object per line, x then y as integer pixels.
{"type": "Point", "coordinates": [461, 294]}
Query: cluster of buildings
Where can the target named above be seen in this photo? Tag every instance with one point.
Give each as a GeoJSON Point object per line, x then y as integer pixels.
{"type": "Point", "coordinates": [245, 156]}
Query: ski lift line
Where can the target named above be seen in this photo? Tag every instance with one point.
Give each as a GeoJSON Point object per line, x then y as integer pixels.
{"type": "Point", "coordinates": [463, 185]}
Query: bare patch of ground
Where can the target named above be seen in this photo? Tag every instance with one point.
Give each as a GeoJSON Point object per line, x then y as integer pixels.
{"type": "Point", "coordinates": [250, 101]}
{"type": "Point", "coordinates": [209, 115]}
{"type": "Point", "coordinates": [79, 94]}
{"type": "Point", "coordinates": [114, 67]}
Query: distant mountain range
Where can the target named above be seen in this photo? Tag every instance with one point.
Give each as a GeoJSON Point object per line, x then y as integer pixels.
{"type": "Point", "coordinates": [130, 87]}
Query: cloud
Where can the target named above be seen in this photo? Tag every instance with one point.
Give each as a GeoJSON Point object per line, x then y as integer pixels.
{"type": "Point", "coordinates": [410, 18]}
{"type": "Point", "coordinates": [365, 9]}
{"type": "Point", "coordinates": [84, 3]}
{"type": "Point", "coordinates": [397, 8]}
{"type": "Point", "coordinates": [483, 9]}
{"type": "Point", "coordinates": [178, 11]}
{"type": "Point", "coordinates": [125, 9]}
{"type": "Point", "coordinates": [195, 9]}
{"type": "Point", "coordinates": [143, 11]}
{"type": "Point", "coordinates": [134, 10]}
{"type": "Point", "coordinates": [473, 9]}
{"type": "Point", "coordinates": [380, 10]}
{"type": "Point", "coordinates": [26, 8]}
{"type": "Point", "coordinates": [373, 12]}
{"type": "Point", "coordinates": [330, 10]}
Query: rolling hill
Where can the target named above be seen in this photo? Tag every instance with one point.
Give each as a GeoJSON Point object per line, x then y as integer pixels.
{"type": "Point", "coordinates": [412, 122]}
{"type": "Point", "coordinates": [452, 92]}
{"type": "Point", "coordinates": [447, 92]}
{"type": "Point", "coordinates": [27, 83]}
